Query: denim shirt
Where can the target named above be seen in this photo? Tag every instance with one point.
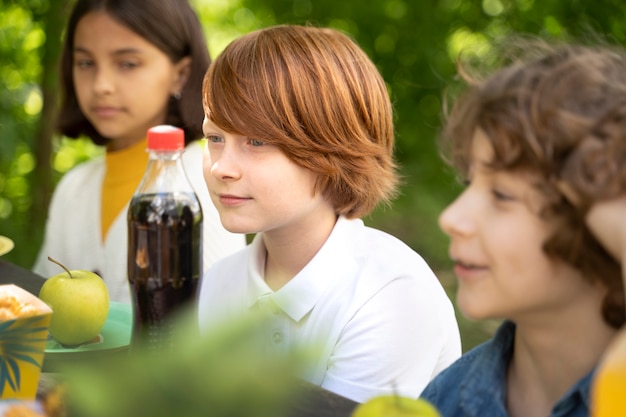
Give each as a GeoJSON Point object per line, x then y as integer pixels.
{"type": "Point", "coordinates": [475, 385]}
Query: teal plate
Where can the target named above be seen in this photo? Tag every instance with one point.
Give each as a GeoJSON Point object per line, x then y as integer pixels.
{"type": "Point", "coordinates": [113, 338]}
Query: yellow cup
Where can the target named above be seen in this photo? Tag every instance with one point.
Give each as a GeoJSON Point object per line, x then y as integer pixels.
{"type": "Point", "coordinates": [609, 387]}
{"type": "Point", "coordinates": [22, 342]}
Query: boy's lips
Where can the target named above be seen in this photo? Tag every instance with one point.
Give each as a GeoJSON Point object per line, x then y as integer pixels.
{"type": "Point", "coordinates": [231, 200]}
{"type": "Point", "coordinates": [465, 269]}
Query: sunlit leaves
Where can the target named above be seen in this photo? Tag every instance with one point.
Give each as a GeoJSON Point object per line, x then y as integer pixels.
{"type": "Point", "coordinates": [386, 42]}
{"type": "Point", "coordinates": [24, 164]}
{"type": "Point", "coordinates": [552, 26]}
{"type": "Point", "coordinates": [72, 152]}
{"type": "Point", "coordinates": [20, 104]}
{"type": "Point", "coordinates": [244, 20]}
{"type": "Point", "coordinates": [33, 102]}
{"type": "Point", "coordinates": [15, 190]}
{"type": "Point", "coordinates": [302, 8]}
{"type": "Point", "coordinates": [463, 41]}
{"type": "Point", "coordinates": [223, 20]}
{"type": "Point", "coordinates": [396, 9]}
{"type": "Point", "coordinates": [19, 37]}
{"type": "Point", "coordinates": [34, 39]}
{"type": "Point", "coordinates": [344, 25]}
{"type": "Point", "coordinates": [493, 7]}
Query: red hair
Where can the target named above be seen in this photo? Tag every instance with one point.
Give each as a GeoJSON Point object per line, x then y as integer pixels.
{"type": "Point", "coordinates": [315, 94]}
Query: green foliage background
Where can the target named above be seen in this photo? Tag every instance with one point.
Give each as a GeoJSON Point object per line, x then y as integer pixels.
{"type": "Point", "coordinates": [414, 44]}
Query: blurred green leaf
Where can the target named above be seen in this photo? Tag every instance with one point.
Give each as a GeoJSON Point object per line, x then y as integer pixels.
{"type": "Point", "coordinates": [227, 372]}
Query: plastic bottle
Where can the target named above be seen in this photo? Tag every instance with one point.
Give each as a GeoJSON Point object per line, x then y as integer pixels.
{"type": "Point", "coordinates": [164, 240]}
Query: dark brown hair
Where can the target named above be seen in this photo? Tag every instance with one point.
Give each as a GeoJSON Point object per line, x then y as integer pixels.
{"type": "Point", "coordinates": [557, 111]}
{"type": "Point", "coordinates": [170, 25]}
{"type": "Point", "coordinates": [315, 94]}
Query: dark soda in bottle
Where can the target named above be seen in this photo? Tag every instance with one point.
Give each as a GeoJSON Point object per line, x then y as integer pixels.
{"type": "Point", "coordinates": [164, 241]}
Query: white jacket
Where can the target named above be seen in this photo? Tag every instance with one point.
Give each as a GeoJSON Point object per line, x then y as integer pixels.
{"type": "Point", "coordinates": [73, 231]}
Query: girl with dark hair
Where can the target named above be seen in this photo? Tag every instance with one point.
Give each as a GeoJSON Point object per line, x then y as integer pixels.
{"type": "Point", "coordinates": [127, 65]}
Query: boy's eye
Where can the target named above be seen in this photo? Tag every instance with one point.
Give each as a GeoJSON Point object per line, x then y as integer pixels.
{"type": "Point", "coordinates": [214, 138]}
{"type": "Point", "coordinates": [500, 196]}
{"type": "Point", "coordinates": [256, 142]}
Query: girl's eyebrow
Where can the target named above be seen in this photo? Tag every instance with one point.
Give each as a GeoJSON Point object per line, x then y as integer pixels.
{"type": "Point", "coordinates": [122, 51]}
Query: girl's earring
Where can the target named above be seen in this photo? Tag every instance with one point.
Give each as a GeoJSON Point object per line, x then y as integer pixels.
{"type": "Point", "coordinates": [177, 95]}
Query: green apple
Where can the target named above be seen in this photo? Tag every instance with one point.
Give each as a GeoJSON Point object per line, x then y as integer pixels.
{"type": "Point", "coordinates": [80, 305]}
{"type": "Point", "coordinates": [395, 406]}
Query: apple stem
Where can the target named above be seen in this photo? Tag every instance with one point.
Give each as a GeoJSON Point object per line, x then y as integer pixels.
{"type": "Point", "coordinates": [61, 265]}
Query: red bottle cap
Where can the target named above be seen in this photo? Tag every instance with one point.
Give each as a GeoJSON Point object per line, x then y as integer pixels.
{"type": "Point", "coordinates": [166, 138]}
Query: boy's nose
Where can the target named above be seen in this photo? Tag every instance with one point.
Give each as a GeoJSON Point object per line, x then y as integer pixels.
{"type": "Point", "coordinates": [456, 218]}
{"type": "Point", "coordinates": [224, 166]}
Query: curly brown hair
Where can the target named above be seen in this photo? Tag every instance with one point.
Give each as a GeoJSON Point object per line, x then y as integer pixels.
{"type": "Point", "coordinates": [557, 110]}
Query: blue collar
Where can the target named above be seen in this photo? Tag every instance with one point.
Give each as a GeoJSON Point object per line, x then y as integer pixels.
{"type": "Point", "coordinates": [484, 385]}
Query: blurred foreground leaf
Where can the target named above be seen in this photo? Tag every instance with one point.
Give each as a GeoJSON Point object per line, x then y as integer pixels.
{"type": "Point", "coordinates": [225, 373]}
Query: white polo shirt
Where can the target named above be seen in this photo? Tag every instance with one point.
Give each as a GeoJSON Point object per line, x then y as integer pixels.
{"type": "Point", "coordinates": [380, 315]}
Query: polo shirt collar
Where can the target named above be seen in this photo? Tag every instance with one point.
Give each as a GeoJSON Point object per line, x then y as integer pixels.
{"type": "Point", "coordinates": [298, 297]}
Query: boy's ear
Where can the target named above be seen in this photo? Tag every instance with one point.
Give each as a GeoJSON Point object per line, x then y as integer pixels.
{"type": "Point", "coordinates": [182, 71]}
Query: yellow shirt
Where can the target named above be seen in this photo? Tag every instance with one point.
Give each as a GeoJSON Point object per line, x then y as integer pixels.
{"type": "Point", "coordinates": [123, 172]}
